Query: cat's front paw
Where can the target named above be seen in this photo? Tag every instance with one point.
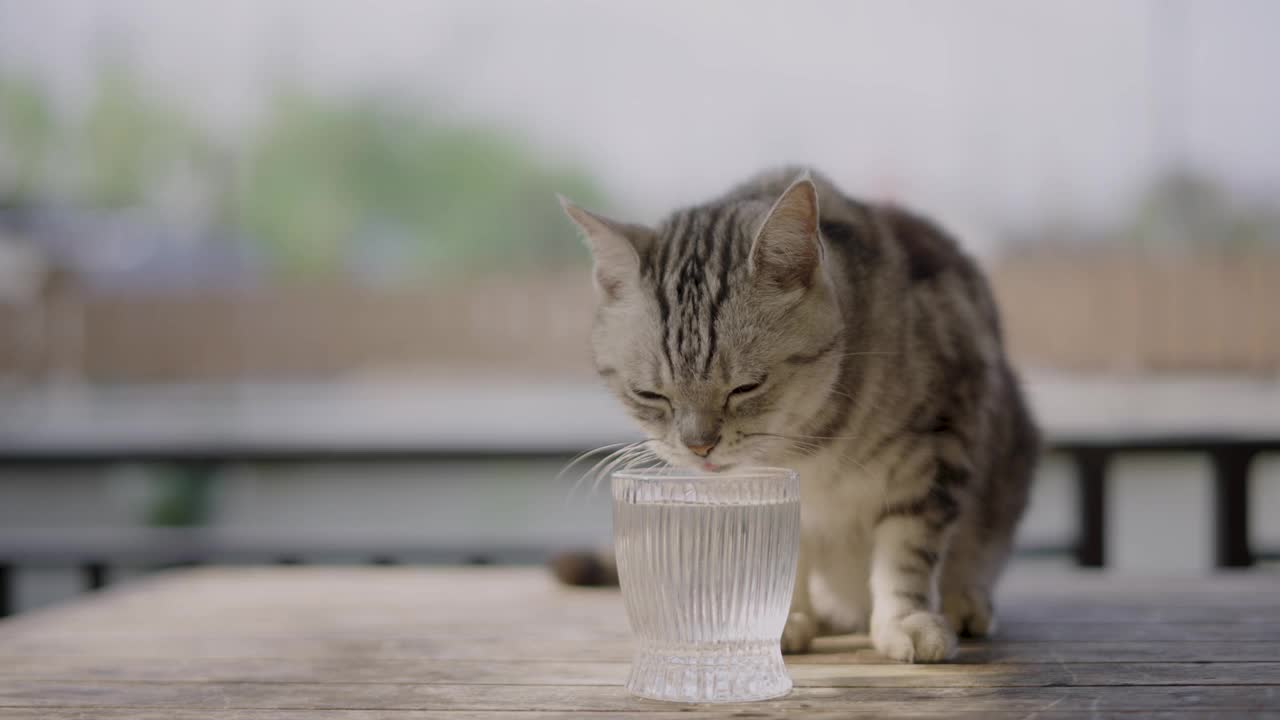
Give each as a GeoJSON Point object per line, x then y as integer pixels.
{"type": "Point", "coordinates": [969, 612]}
{"type": "Point", "coordinates": [799, 633]}
{"type": "Point", "coordinates": [920, 637]}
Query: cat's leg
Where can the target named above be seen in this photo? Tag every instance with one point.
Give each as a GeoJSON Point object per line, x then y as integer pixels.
{"type": "Point", "coordinates": [968, 578]}
{"type": "Point", "coordinates": [983, 538]}
{"type": "Point", "coordinates": [802, 622]}
{"type": "Point", "coordinates": [910, 538]}
{"type": "Point", "coordinates": [840, 590]}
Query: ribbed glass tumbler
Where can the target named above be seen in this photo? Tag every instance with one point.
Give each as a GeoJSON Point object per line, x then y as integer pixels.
{"type": "Point", "coordinates": [707, 565]}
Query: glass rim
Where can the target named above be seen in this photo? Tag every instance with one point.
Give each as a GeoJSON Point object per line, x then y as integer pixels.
{"type": "Point", "coordinates": [749, 472]}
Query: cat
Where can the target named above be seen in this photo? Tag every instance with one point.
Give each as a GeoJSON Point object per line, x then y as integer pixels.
{"type": "Point", "coordinates": [788, 324]}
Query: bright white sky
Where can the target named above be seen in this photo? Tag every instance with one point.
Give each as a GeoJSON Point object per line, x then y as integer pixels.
{"type": "Point", "coordinates": [982, 112]}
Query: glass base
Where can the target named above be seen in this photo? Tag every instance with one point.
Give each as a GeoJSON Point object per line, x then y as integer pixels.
{"type": "Point", "coordinates": [743, 674]}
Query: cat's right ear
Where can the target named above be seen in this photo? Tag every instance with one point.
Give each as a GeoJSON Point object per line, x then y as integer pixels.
{"type": "Point", "coordinates": [787, 251]}
{"type": "Point", "coordinates": [613, 247]}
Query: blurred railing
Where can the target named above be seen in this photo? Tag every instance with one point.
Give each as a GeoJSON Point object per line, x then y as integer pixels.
{"type": "Point", "coordinates": [95, 554]}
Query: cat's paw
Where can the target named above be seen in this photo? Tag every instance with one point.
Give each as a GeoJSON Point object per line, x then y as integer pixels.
{"type": "Point", "coordinates": [969, 612]}
{"type": "Point", "coordinates": [920, 637]}
{"type": "Point", "coordinates": [799, 633]}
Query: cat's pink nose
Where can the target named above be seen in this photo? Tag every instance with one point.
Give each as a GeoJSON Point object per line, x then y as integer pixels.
{"type": "Point", "coordinates": [703, 450]}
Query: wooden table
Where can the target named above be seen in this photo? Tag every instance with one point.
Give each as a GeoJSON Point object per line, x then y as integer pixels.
{"type": "Point", "coordinates": [412, 643]}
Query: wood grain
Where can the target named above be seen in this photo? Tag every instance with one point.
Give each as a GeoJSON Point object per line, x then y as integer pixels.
{"type": "Point", "coordinates": [360, 643]}
{"type": "Point", "coordinates": [702, 712]}
{"type": "Point", "coordinates": [346, 696]}
{"type": "Point", "coordinates": [509, 672]}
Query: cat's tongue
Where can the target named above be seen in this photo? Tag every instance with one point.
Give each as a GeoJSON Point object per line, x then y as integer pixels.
{"type": "Point", "coordinates": [712, 467]}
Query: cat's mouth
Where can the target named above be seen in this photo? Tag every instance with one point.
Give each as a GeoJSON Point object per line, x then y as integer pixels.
{"type": "Point", "coordinates": [712, 467]}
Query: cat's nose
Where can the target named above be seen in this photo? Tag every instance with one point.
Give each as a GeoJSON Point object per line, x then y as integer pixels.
{"type": "Point", "coordinates": [704, 449]}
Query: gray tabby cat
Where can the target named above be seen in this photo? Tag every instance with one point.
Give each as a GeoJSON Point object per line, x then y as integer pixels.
{"type": "Point", "coordinates": [787, 324]}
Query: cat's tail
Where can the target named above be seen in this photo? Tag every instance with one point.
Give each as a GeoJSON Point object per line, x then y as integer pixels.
{"type": "Point", "coordinates": [585, 568]}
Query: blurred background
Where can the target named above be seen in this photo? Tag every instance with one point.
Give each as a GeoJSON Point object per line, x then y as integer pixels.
{"type": "Point", "coordinates": [286, 281]}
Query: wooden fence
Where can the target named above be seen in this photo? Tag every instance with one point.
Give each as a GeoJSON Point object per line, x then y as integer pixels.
{"type": "Point", "coordinates": [1143, 314]}
{"type": "Point", "coordinates": [1089, 314]}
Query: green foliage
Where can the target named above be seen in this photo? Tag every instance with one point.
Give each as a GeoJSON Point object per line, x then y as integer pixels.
{"type": "Point", "coordinates": [320, 186]}
{"type": "Point", "coordinates": [130, 142]}
{"type": "Point", "coordinates": [323, 176]}
{"type": "Point", "coordinates": [26, 133]}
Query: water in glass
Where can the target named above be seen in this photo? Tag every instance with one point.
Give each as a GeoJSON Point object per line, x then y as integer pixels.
{"type": "Point", "coordinates": [707, 565]}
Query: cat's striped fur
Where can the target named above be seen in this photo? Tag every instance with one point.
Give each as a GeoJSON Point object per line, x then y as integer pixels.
{"type": "Point", "coordinates": [788, 324]}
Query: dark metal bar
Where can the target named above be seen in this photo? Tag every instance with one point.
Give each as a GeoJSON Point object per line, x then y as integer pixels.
{"type": "Point", "coordinates": [6, 590]}
{"type": "Point", "coordinates": [94, 574]}
{"type": "Point", "coordinates": [1231, 490]}
{"type": "Point", "coordinates": [1091, 471]}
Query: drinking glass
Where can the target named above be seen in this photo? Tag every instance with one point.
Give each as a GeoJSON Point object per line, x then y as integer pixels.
{"type": "Point", "coordinates": [707, 563]}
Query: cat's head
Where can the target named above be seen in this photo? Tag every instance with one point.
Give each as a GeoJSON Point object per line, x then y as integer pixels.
{"type": "Point", "coordinates": [719, 330]}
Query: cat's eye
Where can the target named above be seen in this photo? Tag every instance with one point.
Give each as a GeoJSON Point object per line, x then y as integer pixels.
{"type": "Point", "coordinates": [744, 389]}
{"type": "Point", "coordinates": [649, 395]}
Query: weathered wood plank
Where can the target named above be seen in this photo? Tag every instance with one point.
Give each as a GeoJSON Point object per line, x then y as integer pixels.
{"type": "Point", "coordinates": [578, 644]}
{"type": "Point", "coordinates": [397, 601]}
{"type": "Point", "coordinates": [757, 712]}
{"type": "Point", "coordinates": [1138, 632]}
{"type": "Point", "coordinates": [613, 636]}
{"type": "Point", "coordinates": [845, 650]}
{"type": "Point", "coordinates": [500, 672]}
{"type": "Point", "coordinates": [1036, 610]}
{"type": "Point", "coordinates": [441, 596]}
{"type": "Point", "coordinates": [302, 696]}
{"type": "Point", "coordinates": [614, 630]}
{"type": "Point", "coordinates": [280, 617]}
{"type": "Point", "coordinates": [355, 643]}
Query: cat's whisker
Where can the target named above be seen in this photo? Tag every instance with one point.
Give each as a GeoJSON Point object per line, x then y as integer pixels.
{"type": "Point", "coordinates": [856, 463]}
{"type": "Point", "coordinates": [610, 459]}
{"type": "Point", "coordinates": [594, 469]}
{"type": "Point", "coordinates": [606, 458]}
{"type": "Point", "coordinates": [622, 461]}
{"type": "Point", "coordinates": [872, 404]}
{"type": "Point", "coordinates": [868, 353]}
{"type": "Point", "coordinates": [803, 437]}
{"type": "Point", "coordinates": [648, 457]}
{"type": "Point", "coordinates": [806, 446]}
{"type": "Point", "coordinates": [845, 395]}
{"type": "Point", "coordinates": [643, 459]}
{"type": "Point", "coordinates": [580, 457]}
{"type": "Point", "coordinates": [632, 452]}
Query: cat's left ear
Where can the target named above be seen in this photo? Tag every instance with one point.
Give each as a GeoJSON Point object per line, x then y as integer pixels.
{"type": "Point", "coordinates": [615, 248]}
{"type": "Point", "coordinates": [787, 252]}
